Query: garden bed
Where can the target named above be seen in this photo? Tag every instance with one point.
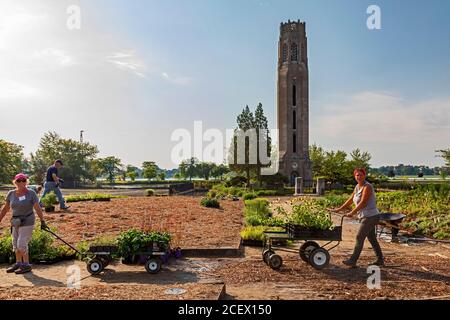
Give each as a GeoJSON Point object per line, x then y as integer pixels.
{"type": "Point", "coordinates": [190, 224]}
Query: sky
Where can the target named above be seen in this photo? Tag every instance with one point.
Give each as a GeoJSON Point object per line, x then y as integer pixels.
{"type": "Point", "coordinates": [136, 71]}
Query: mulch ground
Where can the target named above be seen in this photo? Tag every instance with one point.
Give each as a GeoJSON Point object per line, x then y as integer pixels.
{"type": "Point", "coordinates": [191, 225]}
{"type": "Point", "coordinates": [114, 292]}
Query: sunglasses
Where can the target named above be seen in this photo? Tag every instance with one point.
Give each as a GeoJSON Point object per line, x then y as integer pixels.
{"type": "Point", "coordinates": [21, 180]}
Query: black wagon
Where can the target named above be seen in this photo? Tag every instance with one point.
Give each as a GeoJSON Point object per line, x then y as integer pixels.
{"type": "Point", "coordinates": [310, 251]}
{"type": "Point", "coordinates": [97, 258]}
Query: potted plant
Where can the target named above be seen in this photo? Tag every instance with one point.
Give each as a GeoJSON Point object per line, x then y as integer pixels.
{"type": "Point", "coordinates": [49, 201]}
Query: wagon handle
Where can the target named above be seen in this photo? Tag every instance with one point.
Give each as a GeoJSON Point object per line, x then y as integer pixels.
{"type": "Point", "coordinates": [339, 215]}
{"type": "Point", "coordinates": [59, 238]}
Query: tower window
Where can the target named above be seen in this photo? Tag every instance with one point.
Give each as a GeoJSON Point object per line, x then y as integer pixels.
{"type": "Point", "coordinates": [294, 95]}
{"type": "Point", "coordinates": [294, 52]}
{"type": "Point", "coordinates": [284, 52]}
{"type": "Point", "coordinates": [294, 120]}
{"type": "Point", "coordinates": [294, 141]}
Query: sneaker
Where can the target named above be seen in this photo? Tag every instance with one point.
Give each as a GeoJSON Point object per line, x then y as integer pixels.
{"type": "Point", "coordinates": [65, 208]}
{"type": "Point", "coordinates": [24, 269]}
{"type": "Point", "coordinates": [349, 263]}
{"type": "Point", "coordinates": [13, 268]}
{"type": "Point", "coordinates": [379, 262]}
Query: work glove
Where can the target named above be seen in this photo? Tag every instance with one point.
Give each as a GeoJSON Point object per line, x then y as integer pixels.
{"type": "Point", "coordinates": [44, 225]}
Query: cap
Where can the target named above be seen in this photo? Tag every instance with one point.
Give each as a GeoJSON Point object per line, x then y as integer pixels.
{"type": "Point", "coordinates": [20, 176]}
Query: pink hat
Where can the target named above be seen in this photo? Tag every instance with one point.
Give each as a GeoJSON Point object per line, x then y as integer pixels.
{"type": "Point", "coordinates": [21, 176]}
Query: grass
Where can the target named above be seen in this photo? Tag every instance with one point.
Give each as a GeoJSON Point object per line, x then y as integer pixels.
{"type": "Point", "coordinates": [90, 197]}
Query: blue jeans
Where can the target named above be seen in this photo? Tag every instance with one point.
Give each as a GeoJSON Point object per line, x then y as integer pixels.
{"type": "Point", "coordinates": [51, 186]}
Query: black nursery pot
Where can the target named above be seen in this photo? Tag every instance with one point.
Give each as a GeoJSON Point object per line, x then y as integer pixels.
{"type": "Point", "coordinates": [102, 200]}
{"type": "Point", "coordinates": [50, 209]}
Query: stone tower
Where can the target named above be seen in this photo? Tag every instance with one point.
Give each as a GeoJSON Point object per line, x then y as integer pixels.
{"type": "Point", "coordinates": [293, 102]}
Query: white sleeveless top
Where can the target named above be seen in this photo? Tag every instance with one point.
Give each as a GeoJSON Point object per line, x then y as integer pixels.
{"type": "Point", "coordinates": [370, 209]}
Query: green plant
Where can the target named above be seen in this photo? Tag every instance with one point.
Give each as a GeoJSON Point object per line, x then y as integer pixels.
{"type": "Point", "coordinates": [250, 196]}
{"type": "Point", "coordinates": [49, 200]}
{"type": "Point", "coordinates": [212, 194]}
{"type": "Point", "coordinates": [90, 196]}
{"type": "Point", "coordinates": [309, 214]}
{"type": "Point", "coordinates": [6, 249]}
{"type": "Point", "coordinates": [149, 193]}
{"type": "Point", "coordinates": [133, 241]}
{"type": "Point", "coordinates": [253, 233]}
{"type": "Point", "coordinates": [210, 203]}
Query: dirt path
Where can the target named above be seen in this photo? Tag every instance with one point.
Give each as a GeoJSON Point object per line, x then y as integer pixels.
{"type": "Point", "coordinates": [412, 272]}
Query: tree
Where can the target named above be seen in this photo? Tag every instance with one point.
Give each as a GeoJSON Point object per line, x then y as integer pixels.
{"type": "Point", "coordinates": [177, 176]}
{"type": "Point", "coordinates": [109, 166]}
{"type": "Point", "coordinates": [188, 168]}
{"type": "Point", "coordinates": [77, 158]}
{"type": "Point", "coordinates": [11, 161]}
{"type": "Point", "coordinates": [334, 166]}
{"type": "Point", "coordinates": [263, 139]}
{"type": "Point", "coordinates": [317, 156]}
{"type": "Point", "coordinates": [360, 159]}
{"type": "Point", "coordinates": [445, 154]}
{"type": "Point", "coordinates": [219, 171]}
{"type": "Point", "coordinates": [391, 173]}
{"type": "Point", "coordinates": [149, 170]}
{"type": "Point", "coordinates": [161, 176]}
{"type": "Point", "coordinates": [132, 172]}
{"type": "Point", "coordinates": [204, 169]}
{"type": "Point", "coordinates": [247, 125]}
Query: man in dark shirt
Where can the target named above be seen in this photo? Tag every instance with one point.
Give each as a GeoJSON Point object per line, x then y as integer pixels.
{"type": "Point", "coordinates": [52, 182]}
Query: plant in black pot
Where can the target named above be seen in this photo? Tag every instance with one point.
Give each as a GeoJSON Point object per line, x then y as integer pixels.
{"type": "Point", "coordinates": [49, 202]}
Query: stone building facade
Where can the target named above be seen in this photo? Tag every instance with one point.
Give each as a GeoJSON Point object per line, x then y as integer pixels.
{"type": "Point", "coordinates": [293, 102]}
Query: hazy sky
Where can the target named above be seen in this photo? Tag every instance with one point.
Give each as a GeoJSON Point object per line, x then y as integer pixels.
{"type": "Point", "coordinates": [138, 70]}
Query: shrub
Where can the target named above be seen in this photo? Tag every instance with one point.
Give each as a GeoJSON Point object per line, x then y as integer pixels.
{"type": "Point", "coordinates": [258, 207]}
{"type": "Point", "coordinates": [250, 196]}
{"type": "Point", "coordinates": [149, 193]}
{"type": "Point", "coordinates": [268, 193]}
{"type": "Point", "coordinates": [309, 214]}
{"type": "Point", "coordinates": [212, 194]}
{"type": "Point", "coordinates": [253, 233]}
{"type": "Point", "coordinates": [210, 203]}
{"type": "Point", "coordinates": [40, 248]}
{"type": "Point", "coordinates": [49, 200]}
{"type": "Point", "coordinates": [89, 197]}
{"type": "Point", "coordinates": [6, 249]}
{"type": "Point", "coordinates": [133, 241]}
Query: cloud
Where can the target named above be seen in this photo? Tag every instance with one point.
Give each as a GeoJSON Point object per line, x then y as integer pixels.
{"type": "Point", "coordinates": [387, 125]}
{"type": "Point", "coordinates": [127, 61]}
{"type": "Point", "coordinates": [181, 81]}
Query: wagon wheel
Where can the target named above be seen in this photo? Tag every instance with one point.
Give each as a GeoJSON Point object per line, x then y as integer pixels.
{"type": "Point", "coordinates": [275, 262]}
{"type": "Point", "coordinates": [319, 258]}
{"type": "Point", "coordinates": [95, 266]}
{"type": "Point", "coordinates": [153, 265]}
{"type": "Point", "coordinates": [266, 254]}
{"type": "Point", "coordinates": [306, 249]}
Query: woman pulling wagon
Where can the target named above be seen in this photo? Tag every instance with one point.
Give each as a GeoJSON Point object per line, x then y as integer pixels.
{"type": "Point", "coordinates": [364, 199]}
